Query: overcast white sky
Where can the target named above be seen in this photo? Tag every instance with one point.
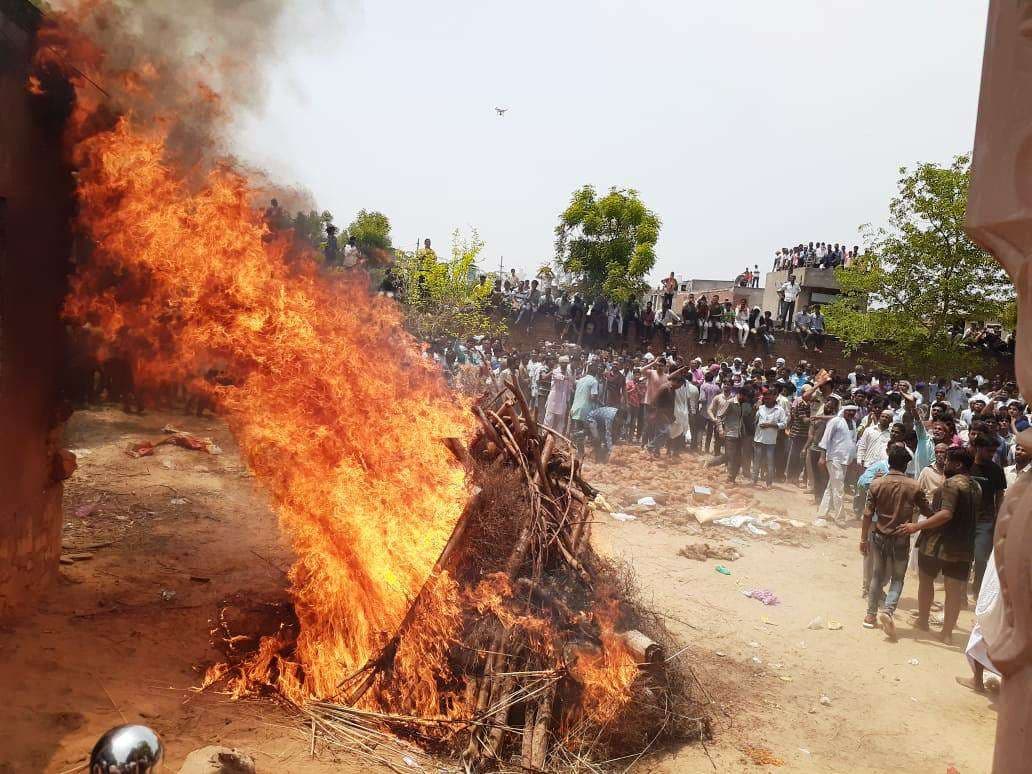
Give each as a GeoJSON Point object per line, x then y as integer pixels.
{"type": "Point", "coordinates": [744, 125]}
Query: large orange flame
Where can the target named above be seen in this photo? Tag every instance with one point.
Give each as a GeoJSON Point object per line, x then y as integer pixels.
{"type": "Point", "coordinates": [334, 406]}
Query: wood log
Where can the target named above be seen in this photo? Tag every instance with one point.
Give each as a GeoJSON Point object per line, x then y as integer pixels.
{"type": "Point", "coordinates": [458, 450]}
{"type": "Point", "coordinates": [492, 434]}
{"type": "Point", "coordinates": [573, 562]}
{"type": "Point", "coordinates": [512, 444]}
{"type": "Point", "coordinates": [542, 465]}
{"type": "Point", "coordinates": [499, 720]}
{"type": "Point", "coordinates": [528, 415]}
{"type": "Point", "coordinates": [474, 749]}
{"type": "Point", "coordinates": [542, 730]}
{"type": "Point", "coordinates": [527, 747]}
{"type": "Point", "coordinates": [519, 429]}
{"type": "Point", "coordinates": [580, 526]}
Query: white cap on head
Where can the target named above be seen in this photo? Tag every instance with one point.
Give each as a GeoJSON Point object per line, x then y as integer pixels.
{"type": "Point", "coordinates": [851, 407]}
{"type": "Point", "coordinates": [780, 361]}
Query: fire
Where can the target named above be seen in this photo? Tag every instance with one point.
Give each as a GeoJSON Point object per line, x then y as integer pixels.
{"type": "Point", "coordinates": [335, 408]}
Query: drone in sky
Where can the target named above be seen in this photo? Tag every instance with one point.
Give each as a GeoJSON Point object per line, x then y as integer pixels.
{"type": "Point", "coordinates": [500, 111]}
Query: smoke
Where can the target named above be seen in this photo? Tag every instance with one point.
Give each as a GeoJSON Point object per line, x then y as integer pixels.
{"type": "Point", "coordinates": [192, 65]}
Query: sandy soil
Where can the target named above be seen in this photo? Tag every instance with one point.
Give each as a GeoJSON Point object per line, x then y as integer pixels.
{"type": "Point", "coordinates": [765, 670]}
{"type": "Point", "coordinates": [105, 648]}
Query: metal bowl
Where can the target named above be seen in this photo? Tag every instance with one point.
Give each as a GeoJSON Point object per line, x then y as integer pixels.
{"type": "Point", "coordinates": [127, 750]}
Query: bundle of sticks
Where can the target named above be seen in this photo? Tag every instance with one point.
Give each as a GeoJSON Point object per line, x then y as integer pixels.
{"type": "Point", "coordinates": [565, 670]}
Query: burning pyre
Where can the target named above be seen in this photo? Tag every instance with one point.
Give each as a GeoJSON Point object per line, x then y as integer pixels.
{"type": "Point", "coordinates": [453, 598]}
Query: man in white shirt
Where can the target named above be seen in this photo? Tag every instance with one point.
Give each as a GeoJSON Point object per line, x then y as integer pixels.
{"type": "Point", "coordinates": [789, 292]}
{"type": "Point", "coordinates": [1021, 464]}
{"type": "Point", "coordinates": [976, 404]}
{"type": "Point", "coordinates": [351, 254]}
{"type": "Point", "coordinates": [838, 449]}
{"type": "Point", "coordinates": [874, 441]}
{"type": "Point", "coordinates": [559, 396]}
{"type": "Point", "coordinates": [770, 420]}
{"type": "Point", "coordinates": [856, 375]}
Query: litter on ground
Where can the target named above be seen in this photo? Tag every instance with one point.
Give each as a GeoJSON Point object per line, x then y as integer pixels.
{"type": "Point", "coordinates": [766, 596]}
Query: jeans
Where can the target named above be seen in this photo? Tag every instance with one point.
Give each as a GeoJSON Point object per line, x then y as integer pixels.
{"type": "Point", "coordinates": [785, 313]}
{"type": "Point", "coordinates": [983, 547]}
{"type": "Point", "coordinates": [763, 454]}
{"type": "Point", "coordinates": [889, 558]}
{"type": "Point", "coordinates": [600, 425]}
{"type": "Point", "coordinates": [660, 437]}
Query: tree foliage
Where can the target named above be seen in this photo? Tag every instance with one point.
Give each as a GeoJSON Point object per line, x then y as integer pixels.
{"type": "Point", "coordinates": [445, 299]}
{"type": "Point", "coordinates": [921, 278]}
{"type": "Point", "coordinates": [372, 230]}
{"type": "Point", "coordinates": [311, 227]}
{"type": "Point", "coordinates": [607, 244]}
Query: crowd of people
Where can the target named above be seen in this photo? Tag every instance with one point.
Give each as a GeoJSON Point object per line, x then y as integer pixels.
{"type": "Point", "coordinates": [607, 323]}
{"type": "Point", "coordinates": [815, 255]}
{"type": "Point", "coordinates": [930, 458]}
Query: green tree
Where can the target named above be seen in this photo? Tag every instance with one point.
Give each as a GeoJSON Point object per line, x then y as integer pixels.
{"type": "Point", "coordinates": [607, 244]}
{"type": "Point", "coordinates": [445, 299]}
{"type": "Point", "coordinates": [920, 278]}
{"type": "Point", "coordinates": [311, 227]}
{"type": "Point", "coordinates": [372, 230]}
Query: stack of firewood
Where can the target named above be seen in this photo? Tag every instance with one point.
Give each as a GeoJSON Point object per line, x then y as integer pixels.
{"type": "Point", "coordinates": [527, 703]}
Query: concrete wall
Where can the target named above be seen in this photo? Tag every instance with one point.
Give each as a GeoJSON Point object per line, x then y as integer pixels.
{"type": "Point", "coordinates": [810, 281]}
{"type": "Point", "coordinates": [35, 207]}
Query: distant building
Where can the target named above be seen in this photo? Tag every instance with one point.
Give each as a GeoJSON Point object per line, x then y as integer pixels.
{"type": "Point", "coordinates": [816, 286]}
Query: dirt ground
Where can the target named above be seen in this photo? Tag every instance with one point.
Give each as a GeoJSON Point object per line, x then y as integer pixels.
{"type": "Point", "coordinates": [106, 647]}
{"type": "Point", "coordinates": [124, 635]}
{"type": "Point", "coordinates": [889, 707]}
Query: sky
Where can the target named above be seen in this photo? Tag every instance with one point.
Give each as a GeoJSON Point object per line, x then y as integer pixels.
{"type": "Point", "coordinates": [745, 126]}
